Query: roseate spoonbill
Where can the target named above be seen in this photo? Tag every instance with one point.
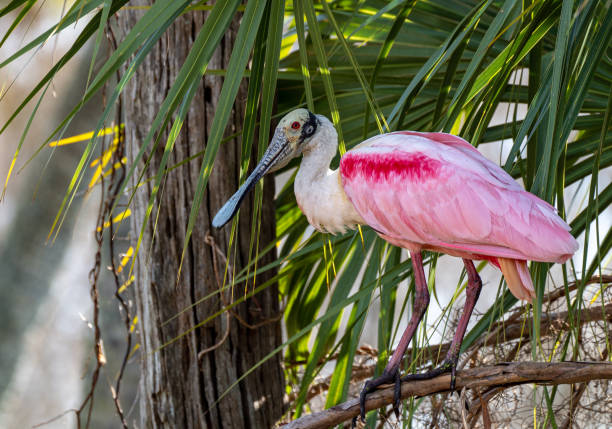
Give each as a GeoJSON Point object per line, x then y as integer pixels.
{"type": "Point", "coordinates": [419, 191]}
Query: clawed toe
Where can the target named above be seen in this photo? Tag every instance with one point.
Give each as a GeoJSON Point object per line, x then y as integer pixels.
{"type": "Point", "coordinates": [371, 385]}
{"type": "Point", "coordinates": [453, 370]}
{"type": "Point", "coordinates": [397, 394]}
{"type": "Point", "coordinates": [362, 397]}
{"type": "Point", "coordinates": [449, 365]}
{"type": "Point", "coordinates": [388, 377]}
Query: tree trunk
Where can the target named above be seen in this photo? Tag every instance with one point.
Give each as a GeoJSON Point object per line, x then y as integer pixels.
{"type": "Point", "coordinates": [179, 388]}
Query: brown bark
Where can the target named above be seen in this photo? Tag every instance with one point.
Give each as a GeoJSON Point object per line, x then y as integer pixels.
{"type": "Point", "coordinates": [178, 390]}
{"type": "Point", "coordinates": [491, 377]}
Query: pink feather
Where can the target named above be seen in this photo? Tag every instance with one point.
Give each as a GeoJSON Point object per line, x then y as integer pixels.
{"type": "Point", "coordinates": [436, 191]}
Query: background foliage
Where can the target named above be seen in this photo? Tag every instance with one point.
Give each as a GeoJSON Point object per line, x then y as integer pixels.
{"type": "Point", "coordinates": [376, 66]}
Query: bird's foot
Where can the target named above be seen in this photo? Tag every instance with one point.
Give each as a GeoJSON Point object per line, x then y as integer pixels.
{"type": "Point", "coordinates": [387, 377]}
{"type": "Point", "coordinates": [448, 365]}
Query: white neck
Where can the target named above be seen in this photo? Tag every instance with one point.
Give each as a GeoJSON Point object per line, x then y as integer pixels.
{"type": "Point", "coordinates": [318, 189]}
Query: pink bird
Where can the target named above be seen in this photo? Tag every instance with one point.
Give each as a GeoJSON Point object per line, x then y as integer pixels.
{"type": "Point", "coordinates": [419, 191]}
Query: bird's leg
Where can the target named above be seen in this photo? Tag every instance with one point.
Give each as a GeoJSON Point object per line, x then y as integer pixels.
{"type": "Point", "coordinates": [472, 293]}
{"type": "Point", "coordinates": [391, 372]}
{"type": "Point", "coordinates": [452, 356]}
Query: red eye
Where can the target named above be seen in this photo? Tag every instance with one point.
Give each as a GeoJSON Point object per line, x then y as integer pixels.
{"type": "Point", "coordinates": [295, 125]}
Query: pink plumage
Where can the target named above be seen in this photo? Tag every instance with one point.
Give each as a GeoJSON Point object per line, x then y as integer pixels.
{"type": "Point", "coordinates": [435, 191]}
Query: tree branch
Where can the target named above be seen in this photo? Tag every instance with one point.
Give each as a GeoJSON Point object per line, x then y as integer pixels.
{"type": "Point", "coordinates": [501, 375]}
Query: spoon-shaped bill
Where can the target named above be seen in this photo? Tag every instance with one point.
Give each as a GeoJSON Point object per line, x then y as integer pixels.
{"type": "Point", "coordinates": [276, 155]}
{"type": "Point", "coordinates": [229, 209]}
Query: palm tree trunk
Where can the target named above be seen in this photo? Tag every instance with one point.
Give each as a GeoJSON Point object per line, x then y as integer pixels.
{"type": "Point", "coordinates": [180, 385]}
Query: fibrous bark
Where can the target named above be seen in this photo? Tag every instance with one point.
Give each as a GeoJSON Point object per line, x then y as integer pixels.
{"type": "Point", "coordinates": [178, 388]}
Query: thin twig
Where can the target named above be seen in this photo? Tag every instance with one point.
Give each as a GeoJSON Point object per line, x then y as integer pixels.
{"type": "Point", "coordinates": [436, 408]}
{"type": "Point", "coordinates": [221, 341]}
{"type": "Point", "coordinates": [478, 406]}
{"type": "Point", "coordinates": [363, 350]}
{"type": "Point", "coordinates": [484, 406]}
{"type": "Point", "coordinates": [54, 419]}
{"type": "Point", "coordinates": [559, 293]}
{"type": "Point", "coordinates": [210, 240]}
{"type": "Point", "coordinates": [357, 374]}
{"type": "Point", "coordinates": [462, 401]}
{"type": "Point", "coordinates": [575, 399]}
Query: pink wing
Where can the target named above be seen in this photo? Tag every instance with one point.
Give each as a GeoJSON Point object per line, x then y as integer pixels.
{"type": "Point", "coordinates": [436, 191]}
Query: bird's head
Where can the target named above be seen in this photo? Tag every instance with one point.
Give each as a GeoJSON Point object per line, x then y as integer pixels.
{"type": "Point", "coordinates": [292, 135]}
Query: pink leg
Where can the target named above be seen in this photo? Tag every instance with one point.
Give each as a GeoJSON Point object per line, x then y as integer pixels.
{"type": "Point", "coordinates": [421, 301]}
{"type": "Point", "coordinates": [391, 372]}
{"type": "Point", "coordinates": [472, 292]}
{"type": "Point", "coordinates": [450, 362]}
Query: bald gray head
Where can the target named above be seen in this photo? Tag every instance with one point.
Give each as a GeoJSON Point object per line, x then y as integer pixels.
{"type": "Point", "coordinates": [292, 133]}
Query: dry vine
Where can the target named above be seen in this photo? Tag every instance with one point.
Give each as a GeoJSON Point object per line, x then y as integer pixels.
{"type": "Point", "coordinates": [94, 275]}
{"type": "Point", "coordinates": [109, 195]}
{"type": "Point", "coordinates": [217, 252]}
{"type": "Point", "coordinates": [114, 187]}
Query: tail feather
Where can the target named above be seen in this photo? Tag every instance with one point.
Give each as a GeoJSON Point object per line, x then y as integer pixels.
{"type": "Point", "coordinates": [517, 278]}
